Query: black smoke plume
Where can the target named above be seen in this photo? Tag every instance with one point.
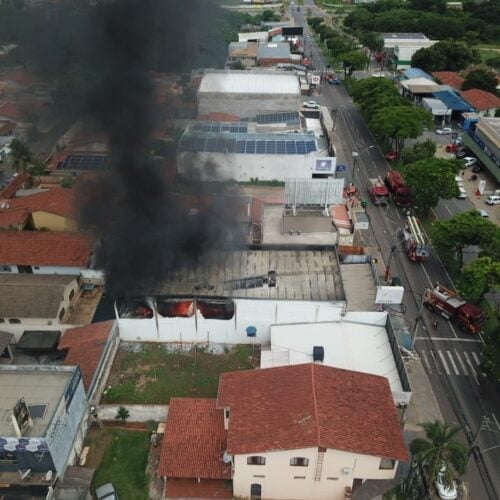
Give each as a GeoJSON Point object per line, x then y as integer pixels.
{"type": "Point", "coordinates": [142, 229]}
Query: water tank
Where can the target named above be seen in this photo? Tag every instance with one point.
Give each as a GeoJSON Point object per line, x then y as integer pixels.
{"type": "Point", "coordinates": [318, 353]}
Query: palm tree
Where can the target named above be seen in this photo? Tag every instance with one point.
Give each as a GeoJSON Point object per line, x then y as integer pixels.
{"type": "Point", "coordinates": [20, 155]}
{"type": "Point", "coordinates": [440, 448]}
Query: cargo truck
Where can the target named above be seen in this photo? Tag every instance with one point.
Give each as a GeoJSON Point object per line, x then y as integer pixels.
{"type": "Point", "coordinates": [449, 305]}
{"type": "Point", "coordinates": [401, 193]}
{"type": "Point", "coordinates": [379, 194]}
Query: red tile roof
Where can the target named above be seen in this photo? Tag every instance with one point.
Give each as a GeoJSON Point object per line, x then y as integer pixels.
{"type": "Point", "coordinates": [57, 200]}
{"type": "Point", "coordinates": [449, 78]}
{"type": "Point", "coordinates": [481, 100]}
{"type": "Point", "coordinates": [86, 344]}
{"type": "Point", "coordinates": [9, 110]}
{"type": "Point", "coordinates": [7, 127]}
{"type": "Point", "coordinates": [13, 218]}
{"type": "Point", "coordinates": [45, 248]}
{"type": "Point", "coordinates": [19, 76]}
{"type": "Point", "coordinates": [194, 440]}
{"type": "Point", "coordinates": [311, 405]}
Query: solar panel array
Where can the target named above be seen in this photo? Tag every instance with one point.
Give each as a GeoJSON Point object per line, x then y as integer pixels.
{"type": "Point", "coordinates": [84, 162]}
{"type": "Point", "coordinates": [284, 117]}
{"type": "Point", "coordinates": [261, 144]}
{"type": "Point", "coordinates": [231, 127]}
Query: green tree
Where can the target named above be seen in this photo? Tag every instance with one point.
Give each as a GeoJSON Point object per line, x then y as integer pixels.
{"type": "Point", "coordinates": [431, 180]}
{"type": "Point", "coordinates": [399, 123]}
{"type": "Point", "coordinates": [122, 414]}
{"type": "Point", "coordinates": [478, 277]}
{"type": "Point", "coordinates": [493, 62]}
{"type": "Point", "coordinates": [440, 448]}
{"type": "Point", "coordinates": [451, 236]}
{"type": "Point", "coordinates": [444, 56]}
{"type": "Point", "coordinates": [236, 65]}
{"type": "Point", "coordinates": [354, 60]}
{"type": "Point", "coordinates": [20, 155]}
{"type": "Point", "coordinates": [372, 40]}
{"type": "Point", "coordinates": [481, 79]}
{"type": "Point", "coordinates": [419, 151]}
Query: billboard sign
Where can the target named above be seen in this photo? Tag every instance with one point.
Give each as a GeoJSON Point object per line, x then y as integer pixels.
{"type": "Point", "coordinates": [22, 415]}
{"type": "Point", "coordinates": [389, 295]}
{"type": "Point", "coordinates": [324, 165]}
{"type": "Point", "coordinates": [315, 79]}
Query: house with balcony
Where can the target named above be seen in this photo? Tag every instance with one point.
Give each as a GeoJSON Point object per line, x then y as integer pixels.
{"type": "Point", "coordinates": [303, 432]}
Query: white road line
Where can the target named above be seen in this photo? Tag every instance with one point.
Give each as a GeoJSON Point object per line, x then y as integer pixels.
{"type": "Point", "coordinates": [455, 369]}
{"type": "Point", "coordinates": [476, 358]}
{"type": "Point", "coordinates": [447, 339]}
{"type": "Point", "coordinates": [453, 329]}
{"type": "Point", "coordinates": [446, 369]}
{"type": "Point", "coordinates": [471, 366]}
{"type": "Point", "coordinates": [425, 272]}
{"type": "Point", "coordinates": [426, 361]}
{"type": "Point", "coordinates": [461, 362]}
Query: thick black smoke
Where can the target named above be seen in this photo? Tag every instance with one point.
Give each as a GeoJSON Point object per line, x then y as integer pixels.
{"type": "Point", "coordinates": [143, 231]}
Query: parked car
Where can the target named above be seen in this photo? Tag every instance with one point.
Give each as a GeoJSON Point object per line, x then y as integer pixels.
{"type": "Point", "coordinates": [493, 200]}
{"type": "Point", "coordinates": [469, 161]}
{"type": "Point", "coordinates": [459, 180]}
{"type": "Point", "coordinates": [310, 105]}
{"type": "Point", "coordinates": [483, 213]}
{"type": "Point", "coordinates": [392, 156]}
{"type": "Point", "coordinates": [477, 168]}
{"type": "Point", "coordinates": [444, 131]}
{"type": "Point", "coordinates": [106, 492]}
{"type": "Point", "coordinates": [462, 153]}
{"type": "Point", "coordinates": [445, 492]}
{"type": "Point", "coordinates": [453, 147]}
{"type": "Point", "coordinates": [462, 193]}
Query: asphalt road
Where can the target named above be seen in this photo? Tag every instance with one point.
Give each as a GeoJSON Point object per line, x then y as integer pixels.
{"type": "Point", "coordinates": [451, 358]}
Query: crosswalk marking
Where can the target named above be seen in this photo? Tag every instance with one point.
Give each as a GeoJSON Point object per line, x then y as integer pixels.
{"type": "Point", "coordinates": [450, 357]}
{"type": "Point", "coordinates": [452, 362]}
{"type": "Point", "coordinates": [446, 369]}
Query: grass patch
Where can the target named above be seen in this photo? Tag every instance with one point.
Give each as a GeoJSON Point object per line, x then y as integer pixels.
{"type": "Point", "coordinates": [124, 464]}
{"type": "Point", "coordinates": [154, 375]}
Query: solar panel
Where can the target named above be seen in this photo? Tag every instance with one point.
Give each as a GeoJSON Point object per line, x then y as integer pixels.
{"type": "Point", "coordinates": [270, 147]}
{"type": "Point", "coordinates": [310, 146]}
{"type": "Point", "coordinates": [281, 117]}
{"type": "Point", "coordinates": [250, 148]}
{"type": "Point", "coordinates": [240, 146]}
{"type": "Point", "coordinates": [280, 147]}
{"type": "Point", "coordinates": [84, 162]}
{"type": "Point", "coordinates": [260, 147]}
{"type": "Point", "coordinates": [211, 145]}
{"type": "Point", "coordinates": [290, 147]}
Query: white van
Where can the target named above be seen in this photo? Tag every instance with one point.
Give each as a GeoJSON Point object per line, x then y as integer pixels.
{"type": "Point", "coordinates": [493, 200]}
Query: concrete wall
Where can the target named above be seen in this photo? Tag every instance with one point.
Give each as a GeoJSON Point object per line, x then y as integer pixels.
{"type": "Point", "coordinates": [52, 222]}
{"type": "Point", "coordinates": [138, 413]}
{"type": "Point", "coordinates": [246, 105]}
{"type": "Point", "coordinates": [243, 167]}
{"type": "Point", "coordinates": [248, 312]}
{"type": "Point", "coordinates": [281, 480]}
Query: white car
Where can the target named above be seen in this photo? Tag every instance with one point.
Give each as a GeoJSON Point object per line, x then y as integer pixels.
{"type": "Point", "coordinates": [459, 180]}
{"type": "Point", "coordinates": [462, 193]}
{"type": "Point", "coordinates": [445, 492]}
{"type": "Point", "coordinates": [310, 105]}
{"type": "Point", "coordinates": [483, 213]}
{"type": "Point", "coordinates": [469, 161]}
{"type": "Point", "coordinates": [444, 131]}
{"type": "Point", "coordinates": [493, 200]}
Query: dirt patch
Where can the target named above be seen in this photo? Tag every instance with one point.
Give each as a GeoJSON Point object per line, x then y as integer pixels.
{"type": "Point", "coordinates": [143, 381]}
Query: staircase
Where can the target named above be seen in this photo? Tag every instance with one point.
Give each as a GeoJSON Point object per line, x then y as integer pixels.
{"type": "Point", "coordinates": [319, 465]}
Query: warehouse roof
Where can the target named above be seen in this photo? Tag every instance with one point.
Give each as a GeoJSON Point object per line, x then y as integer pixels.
{"type": "Point", "coordinates": [245, 82]}
{"type": "Point", "coordinates": [297, 274]}
{"type": "Point", "coordinates": [273, 51]}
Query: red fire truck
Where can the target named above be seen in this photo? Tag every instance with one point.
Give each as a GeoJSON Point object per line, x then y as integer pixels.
{"type": "Point", "coordinates": [414, 239]}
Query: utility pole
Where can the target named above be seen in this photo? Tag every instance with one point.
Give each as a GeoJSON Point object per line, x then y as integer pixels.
{"type": "Point", "coordinates": [388, 266]}
{"type": "Point", "coordinates": [355, 156]}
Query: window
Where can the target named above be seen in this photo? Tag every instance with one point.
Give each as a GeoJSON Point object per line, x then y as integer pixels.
{"type": "Point", "coordinates": [299, 462]}
{"type": "Point", "coordinates": [256, 460]}
{"type": "Point", "coordinates": [5, 269]}
{"type": "Point", "coordinates": [227, 414]}
{"type": "Point", "coordinates": [61, 314]}
{"type": "Point", "coordinates": [387, 464]}
{"type": "Point", "coordinates": [14, 321]}
{"type": "Point", "coordinates": [255, 491]}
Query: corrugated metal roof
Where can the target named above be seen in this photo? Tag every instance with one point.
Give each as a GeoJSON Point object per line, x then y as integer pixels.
{"type": "Point", "coordinates": [273, 50]}
{"type": "Point", "coordinates": [452, 101]}
{"type": "Point", "coordinates": [411, 73]}
{"type": "Point", "coordinates": [244, 82]}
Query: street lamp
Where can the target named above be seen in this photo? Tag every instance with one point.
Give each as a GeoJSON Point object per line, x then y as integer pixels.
{"type": "Point", "coordinates": [355, 156]}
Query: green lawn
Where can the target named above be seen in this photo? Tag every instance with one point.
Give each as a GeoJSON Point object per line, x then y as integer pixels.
{"type": "Point", "coordinates": [124, 465]}
{"type": "Point", "coordinates": [154, 375]}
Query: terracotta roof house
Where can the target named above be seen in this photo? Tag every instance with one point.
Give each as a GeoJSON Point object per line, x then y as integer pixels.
{"type": "Point", "coordinates": [44, 252]}
{"type": "Point", "coordinates": [53, 210]}
{"type": "Point", "coordinates": [485, 103]}
{"type": "Point", "coordinates": [13, 218]}
{"type": "Point", "coordinates": [9, 111]}
{"type": "Point", "coordinates": [92, 347]}
{"type": "Point", "coordinates": [16, 183]}
{"type": "Point", "coordinates": [289, 431]}
{"type": "Point", "coordinates": [450, 78]}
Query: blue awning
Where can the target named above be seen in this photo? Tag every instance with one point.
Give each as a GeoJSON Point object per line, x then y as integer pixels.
{"type": "Point", "coordinates": [452, 100]}
{"type": "Point", "coordinates": [417, 73]}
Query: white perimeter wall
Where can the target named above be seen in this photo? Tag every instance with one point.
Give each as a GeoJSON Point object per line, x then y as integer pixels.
{"type": "Point", "coordinates": [248, 312]}
{"type": "Point", "coordinates": [243, 167]}
{"type": "Point", "coordinates": [280, 480]}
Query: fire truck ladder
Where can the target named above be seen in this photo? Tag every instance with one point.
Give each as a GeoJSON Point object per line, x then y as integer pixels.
{"type": "Point", "coordinates": [416, 231]}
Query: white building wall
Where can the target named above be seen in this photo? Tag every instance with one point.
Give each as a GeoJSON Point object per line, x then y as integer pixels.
{"type": "Point", "coordinates": [280, 480]}
{"type": "Point", "coordinates": [69, 271]}
{"type": "Point", "coordinates": [248, 312]}
{"type": "Point", "coordinates": [243, 167]}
